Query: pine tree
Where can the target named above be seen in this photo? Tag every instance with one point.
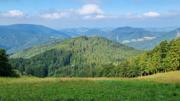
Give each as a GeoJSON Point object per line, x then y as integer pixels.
{"type": "Point", "coordinates": [5, 67]}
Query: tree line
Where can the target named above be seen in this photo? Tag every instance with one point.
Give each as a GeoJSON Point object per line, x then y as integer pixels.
{"type": "Point", "coordinates": [164, 57]}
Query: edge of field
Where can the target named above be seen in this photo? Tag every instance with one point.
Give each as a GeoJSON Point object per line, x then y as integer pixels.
{"type": "Point", "coordinates": [168, 77]}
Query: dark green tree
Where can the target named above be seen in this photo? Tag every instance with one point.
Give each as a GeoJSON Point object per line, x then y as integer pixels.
{"type": "Point", "coordinates": [5, 67]}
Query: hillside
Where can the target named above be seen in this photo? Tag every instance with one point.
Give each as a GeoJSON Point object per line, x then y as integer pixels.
{"type": "Point", "coordinates": [96, 56]}
{"type": "Point", "coordinates": [168, 77]}
{"type": "Point", "coordinates": [96, 44]}
{"type": "Point", "coordinates": [164, 57]}
{"type": "Point", "coordinates": [82, 52]}
{"type": "Point", "coordinates": [20, 36]}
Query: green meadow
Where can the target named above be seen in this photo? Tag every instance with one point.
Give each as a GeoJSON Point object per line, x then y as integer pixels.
{"type": "Point", "coordinates": [158, 87]}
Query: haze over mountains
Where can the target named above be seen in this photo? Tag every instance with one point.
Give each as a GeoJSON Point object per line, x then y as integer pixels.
{"type": "Point", "coordinates": [21, 36]}
{"type": "Point", "coordinates": [133, 37]}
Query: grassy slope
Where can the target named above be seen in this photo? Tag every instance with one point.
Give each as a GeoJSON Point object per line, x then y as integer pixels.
{"type": "Point", "coordinates": [169, 77]}
{"type": "Point", "coordinates": [91, 89]}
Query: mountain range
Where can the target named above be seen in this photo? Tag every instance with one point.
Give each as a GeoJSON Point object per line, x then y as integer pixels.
{"type": "Point", "coordinates": [139, 38]}
{"type": "Point", "coordinates": [22, 36]}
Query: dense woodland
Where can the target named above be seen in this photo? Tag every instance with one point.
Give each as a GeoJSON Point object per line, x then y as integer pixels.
{"type": "Point", "coordinates": [81, 59]}
{"type": "Point", "coordinates": [164, 57]}
{"type": "Point", "coordinates": [81, 56]}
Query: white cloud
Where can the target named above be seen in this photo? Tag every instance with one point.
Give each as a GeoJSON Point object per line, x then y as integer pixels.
{"type": "Point", "coordinates": [94, 17]}
{"type": "Point", "coordinates": [146, 38]}
{"type": "Point", "coordinates": [90, 9]}
{"type": "Point", "coordinates": [126, 41]}
{"type": "Point", "coordinates": [92, 12]}
{"type": "Point", "coordinates": [13, 13]}
{"type": "Point", "coordinates": [149, 38]}
{"type": "Point", "coordinates": [54, 15]}
{"type": "Point", "coordinates": [152, 14]}
{"type": "Point", "coordinates": [86, 12]}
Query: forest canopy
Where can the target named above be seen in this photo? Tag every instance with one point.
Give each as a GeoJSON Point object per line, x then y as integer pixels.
{"type": "Point", "coordinates": [94, 60]}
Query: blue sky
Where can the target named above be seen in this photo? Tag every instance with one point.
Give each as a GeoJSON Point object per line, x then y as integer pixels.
{"type": "Point", "coordinates": [91, 13]}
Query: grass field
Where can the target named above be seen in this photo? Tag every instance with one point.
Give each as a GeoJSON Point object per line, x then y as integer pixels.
{"type": "Point", "coordinates": [159, 87]}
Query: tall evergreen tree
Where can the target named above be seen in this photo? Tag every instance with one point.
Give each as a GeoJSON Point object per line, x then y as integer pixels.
{"type": "Point", "coordinates": [5, 67]}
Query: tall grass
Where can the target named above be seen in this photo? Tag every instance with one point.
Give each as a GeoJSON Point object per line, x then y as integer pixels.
{"type": "Point", "coordinates": [89, 89]}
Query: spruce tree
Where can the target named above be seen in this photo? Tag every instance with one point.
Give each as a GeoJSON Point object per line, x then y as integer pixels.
{"type": "Point", "coordinates": [5, 67]}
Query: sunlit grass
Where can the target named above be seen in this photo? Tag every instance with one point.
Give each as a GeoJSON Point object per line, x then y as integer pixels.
{"type": "Point", "coordinates": [169, 77]}
{"type": "Point", "coordinates": [159, 87]}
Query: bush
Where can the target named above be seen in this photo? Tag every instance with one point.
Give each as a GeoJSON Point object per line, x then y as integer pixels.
{"type": "Point", "coordinates": [16, 73]}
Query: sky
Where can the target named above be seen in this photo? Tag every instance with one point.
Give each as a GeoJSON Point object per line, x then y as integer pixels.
{"type": "Point", "coordinates": [91, 13]}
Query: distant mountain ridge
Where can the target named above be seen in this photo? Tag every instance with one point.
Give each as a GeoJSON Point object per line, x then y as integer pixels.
{"type": "Point", "coordinates": [140, 38]}
{"type": "Point", "coordinates": [20, 36]}
{"type": "Point", "coordinates": [90, 32]}
{"type": "Point", "coordinates": [127, 33]}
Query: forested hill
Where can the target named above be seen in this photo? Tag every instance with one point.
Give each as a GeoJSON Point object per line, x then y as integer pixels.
{"type": "Point", "coordinates": [81, 44]}
{"type": "Point", "coordinates": [96, 56]}
{"type": "Point", "coordinates": [80, 53]}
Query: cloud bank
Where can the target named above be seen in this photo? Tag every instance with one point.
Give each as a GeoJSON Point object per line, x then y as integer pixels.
{"type": "Point", "coordinates": [152, 14]}
{"type": "Point", "coordinates": [13, 13]}
{"type": "Point", "coordinates": [146, 38]}
{"type": "Point", "coordinates": [90, 14]}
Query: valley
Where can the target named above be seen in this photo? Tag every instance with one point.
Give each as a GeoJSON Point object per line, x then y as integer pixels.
{"type": "Point", "coordinates": [129, 64]}
{"type": "Point", "coordinates": [89, 50]}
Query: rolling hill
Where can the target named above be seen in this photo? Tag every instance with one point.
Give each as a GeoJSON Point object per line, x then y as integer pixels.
{"type": "Point", "coordinates": [82, 52]}
{"type": "Point", "coordinates": [87, 44]}
{"type": "Point", "coordinates": [21, 36]}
